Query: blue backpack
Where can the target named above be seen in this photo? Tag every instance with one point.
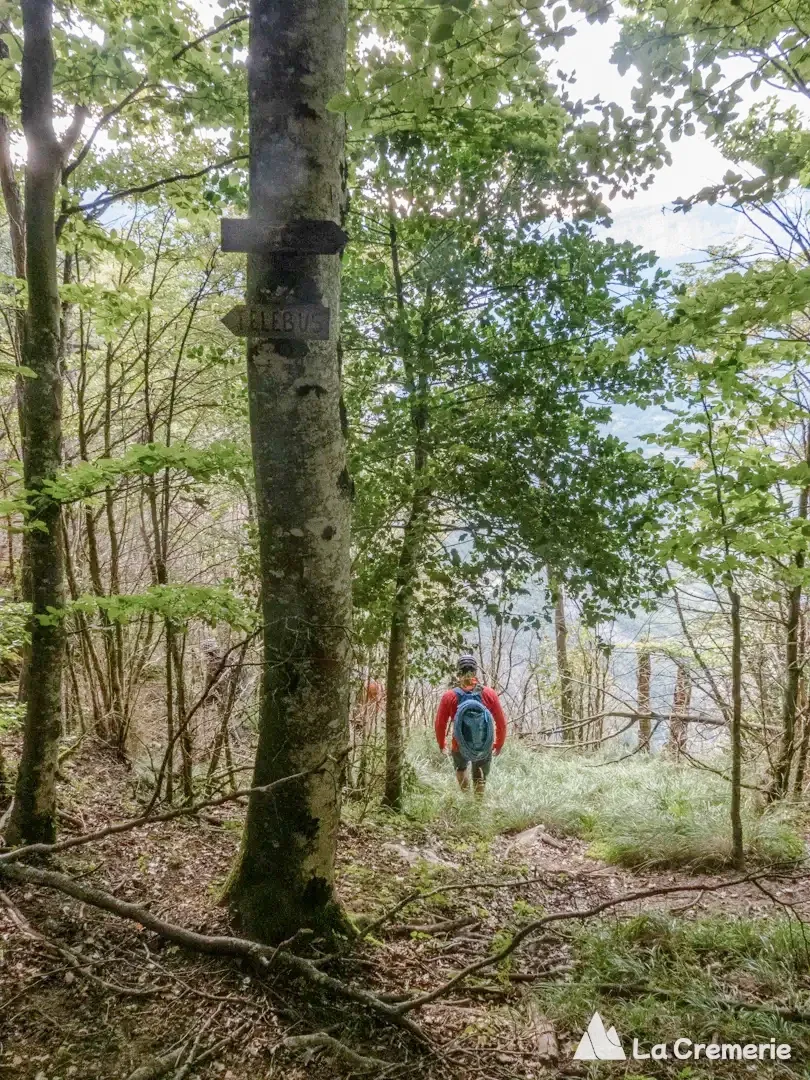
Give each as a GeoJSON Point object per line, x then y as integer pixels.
{"type": "Point", "coordinates": [473, 726]}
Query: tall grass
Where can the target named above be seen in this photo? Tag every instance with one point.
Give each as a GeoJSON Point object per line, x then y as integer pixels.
{"type": "Point", "coordinates": [658, 978]}
{"type": "Point", "coordinates": [641, 811]}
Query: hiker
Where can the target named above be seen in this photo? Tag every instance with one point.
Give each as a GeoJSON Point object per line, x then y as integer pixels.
{"type": "Point", "coordinates": [479, 726]}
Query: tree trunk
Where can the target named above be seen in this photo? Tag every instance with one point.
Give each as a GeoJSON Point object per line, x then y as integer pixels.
{"type": "Point", "coordinates": [33, 814]}
{"type": "Point", "coordinates": [681, 699]}
{"type": "Point", "coordinates": [784, 763]}
{"type": "Point", "coordinates": [16, 227]}
{"type": "Point", "coordinates": [735, 723]}
{"type": "Point", "coordinates": [563, 667]}
{"type": "Point", "coordinates": [804, 748]}
{"type": "Point", "coordinates": [793, 669]}
{"type": "Point", "coordinates": [284, 879]}
{"type": "Point", "coordinates": [412, 537]}
{"type": "Point", "coordinates": [643, 681]}
{"type": "Point", "coordinates": [397, 672]}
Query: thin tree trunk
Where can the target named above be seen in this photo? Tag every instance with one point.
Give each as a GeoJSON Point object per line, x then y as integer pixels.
{"type": "Point", "coordinates": [225, 693]}
{"type": "Point", "coordinates": [33, 814]}
{"type": "Point", "coordinates": [681, 698]}
{"type": "Point", "coordinates": [16, 227]}
{"type": "Point", "coordinates": [186, 745]}
{"type": "Point", "coordinates": [735, 721]}
{"type": "Point", "coordinates": [563, 667]}
{"type": "Point", "coordinates": [643, 682]}
{"type": "Point", "coordinates": [169, 714]}
{"type": "Point", "coordinates": [285, 875]}
{"type": "Point", "coordinates": [784, 762]}
{"type": "Point", "coordinates": [397, 671]}
{"type": "Point", "coordinates": [793, 668]}
{"type": "Point", "coordinates": [804, 748]}
{"type": "Point", "coordinates": [412, 541]}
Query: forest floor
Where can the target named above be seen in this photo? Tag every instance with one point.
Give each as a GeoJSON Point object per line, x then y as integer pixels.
{"type": "Point", "coordinates": [705, 958]}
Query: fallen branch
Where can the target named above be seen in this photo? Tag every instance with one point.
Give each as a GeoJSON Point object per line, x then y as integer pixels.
{"type": "Point", "coordinates": [25, 927]}
{"type": "Point", "coordinates": [560, 916]}
{"type": "Point", "coordinates": [158, 1067]}
{"type": "Point", "coordinates": [418, 894]}
{"type": "Point", "coordinates": [148, 819]}
{"type": "Point", "coordinates": [211, 945]}
{"type": "Point", "coordinates": [193, 1058]}
{"type": "Point", "coordinates": [447, 926]}
{"type": "Point", "coordinates": [322, 1040]}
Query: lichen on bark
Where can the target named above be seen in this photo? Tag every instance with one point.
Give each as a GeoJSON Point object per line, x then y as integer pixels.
{"type": "Point", "coordinates": [284, 877]}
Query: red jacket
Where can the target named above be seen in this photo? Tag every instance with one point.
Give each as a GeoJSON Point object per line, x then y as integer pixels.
{"type": "Point", "coordinates": [447, 710]}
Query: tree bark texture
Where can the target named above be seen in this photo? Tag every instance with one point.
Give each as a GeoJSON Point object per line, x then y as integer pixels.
{"type": "Point", "coordinates": [793, 668]}
{"type": "Point", "coordinates": [643, 681]}
{"type": "Point", "coordinates": [33, 815]}
{"type": "Point", "coordinates": [681, 701]}
{"type": "Point", "coordinates": [735, 724]}
{"type": "Point", "coordinates": [413, 533]}
{"type": "Point", "coordinates": [563, 667]}
{"type": "Point", "coordinates": [284, 879]}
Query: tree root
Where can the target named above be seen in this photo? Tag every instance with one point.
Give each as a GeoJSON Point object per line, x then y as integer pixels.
{"type": "Point", "coordinates": [213, 945]}
{"type": "Point", "coordinates": [75, 962]}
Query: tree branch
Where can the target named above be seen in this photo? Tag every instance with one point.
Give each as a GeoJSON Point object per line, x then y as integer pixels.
{"type": "Point", "coordinates": [69, 139]}
{"type": "Point", "coordinates": [211, 33]}
{"type": "Point", "coordinates": [99, 205]}
{"type": "Point", "coordinates": [560, 916]}
{"type": "Point", "coordinates": [149, 819]}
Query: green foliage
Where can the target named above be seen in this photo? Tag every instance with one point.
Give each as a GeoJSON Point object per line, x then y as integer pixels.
{"type": "Point", "coordinates": [699, 62]}
{"type": "Point", "coordinates": [734, 463]}
{"type": "Point", "coordinates": [178, 604]}
{"type": "Point", "coordinates": [500, 341]}
{"type": "Point", "coordinates": [13, 633]}
{"type": "Point", "coordinates": [87, 479]}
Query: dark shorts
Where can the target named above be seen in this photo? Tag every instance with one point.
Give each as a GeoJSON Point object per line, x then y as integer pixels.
{"type": "Point", "coordinates": [480, 768]}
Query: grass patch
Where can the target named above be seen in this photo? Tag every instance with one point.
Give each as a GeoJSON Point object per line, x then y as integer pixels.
{"type": "Point", "coordinates": [658, 979]}
{"type": "Point", "coordinates": [642, 811]}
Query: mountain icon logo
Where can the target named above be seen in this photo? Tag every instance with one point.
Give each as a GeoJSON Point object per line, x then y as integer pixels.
{"type": "Point", "coordinates": [599, 1045]}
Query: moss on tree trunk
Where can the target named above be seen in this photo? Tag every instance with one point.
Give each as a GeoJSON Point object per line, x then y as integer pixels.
{"type": "Point", "coordinates": [33, 815]}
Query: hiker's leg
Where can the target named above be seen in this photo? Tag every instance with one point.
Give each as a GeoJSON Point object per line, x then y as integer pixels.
{"type": "Point", "coordinates": [460, 764]}
{"type": "Point", "coordinates": [480, 772]}
{"type": "Point", "coordinates": [463, 778]}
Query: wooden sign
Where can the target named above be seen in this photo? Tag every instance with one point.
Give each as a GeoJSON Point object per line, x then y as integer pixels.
{"type": "Point", "coordinates": [297, 238]}
{"type": "Point", "coordinates": [286, 322]}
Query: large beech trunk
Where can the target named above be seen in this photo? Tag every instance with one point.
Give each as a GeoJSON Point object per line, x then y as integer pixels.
{"type": "Point", "coordinates": [284, 879]}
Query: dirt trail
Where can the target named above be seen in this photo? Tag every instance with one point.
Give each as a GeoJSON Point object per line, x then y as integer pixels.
{"type": "Point", "coordinates": [56, 1023]}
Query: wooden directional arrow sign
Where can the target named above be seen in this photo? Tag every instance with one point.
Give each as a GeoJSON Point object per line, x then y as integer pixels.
{"type": "Point", "coordinates": [297, 238]}
{"type": "Point", "coordinates": [287, 322]}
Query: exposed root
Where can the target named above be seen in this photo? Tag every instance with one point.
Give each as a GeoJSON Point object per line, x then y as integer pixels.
{"type": "Point", "coordinates": [212, 945]}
